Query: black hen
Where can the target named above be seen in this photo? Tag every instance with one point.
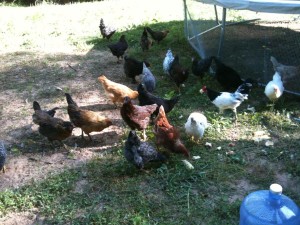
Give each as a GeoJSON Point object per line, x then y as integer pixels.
{"type": "Point", "coordinates": [3, 155]}
{"type": "Point", "coordinates": [133, 67]}
{"type": "Point", "coordinates": [146, 42]}
{"type": "Point", "coordinates": [140, 153]}
{"type": "Point", "coordinates": [51, 112]}
{"type": "Point", "coordinates": [51, 127]}
{"type": "Point", "coordinates": [200, 67]}
{"type": "Point", "coordinates": [157, 35]}
{"type": "Point", "coordinates": [246, 86]}
{"type": "Point", "coordinates": [106, 32]}
{"type": "Point", "coordinates": [146, 98]}
{"type": "Point", "coordinates": [177, 72]}
{"type": "Point", "coordinates": [118, 49]}
{"type": "Point", "coordinates": [229, 79]}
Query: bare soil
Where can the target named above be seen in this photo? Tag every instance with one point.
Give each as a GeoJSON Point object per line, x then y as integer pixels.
{"type": "Point", "coordinates": [31, 157]}
{"type": "Point", "coordinates": [44, 51]}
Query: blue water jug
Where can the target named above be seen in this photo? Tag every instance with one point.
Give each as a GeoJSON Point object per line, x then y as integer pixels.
{"type": "Point", "coordinates": [269, 207]}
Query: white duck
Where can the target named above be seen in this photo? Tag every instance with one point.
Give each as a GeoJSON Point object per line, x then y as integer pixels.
{"type": "Point", "coordinates": [196, 125]}
{"type": "Point", "coordinates": [274, 89]}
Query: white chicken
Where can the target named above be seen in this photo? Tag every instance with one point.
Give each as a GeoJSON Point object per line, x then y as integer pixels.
{"type": "Point", "coordinates": [168, 61]}
{"type": "Point", "coordinates": [196, 125]}
{"type": "Point", "coordinates": [226, 100]}
{"type": "Point", "coordinates": [274, 89]}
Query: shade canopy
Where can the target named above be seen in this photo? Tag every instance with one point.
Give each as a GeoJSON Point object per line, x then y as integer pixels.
{"type": "Point", "coordinates": [270, 6]}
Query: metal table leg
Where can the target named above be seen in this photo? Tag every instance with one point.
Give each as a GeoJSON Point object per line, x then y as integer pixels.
{"type": "Point", "coordinates": [222, 33]}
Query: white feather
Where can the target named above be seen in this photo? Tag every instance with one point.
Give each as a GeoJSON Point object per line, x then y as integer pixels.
{"type": "Point", "coordinates": [274, 89]}
{"type": "Point", "coordinates": [196, 128]}
{"type": "Point", "coordinates": [167, 61]}
{"type": "Point", "coordinates": [229, 100]}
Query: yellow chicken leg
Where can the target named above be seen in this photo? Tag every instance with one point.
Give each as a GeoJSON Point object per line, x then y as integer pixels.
{"type": "Point", "coordinates": [144, 135]}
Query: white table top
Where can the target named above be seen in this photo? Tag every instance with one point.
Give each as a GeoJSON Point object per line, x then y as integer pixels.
{"type": "Point", "coordinates": [271, 6]}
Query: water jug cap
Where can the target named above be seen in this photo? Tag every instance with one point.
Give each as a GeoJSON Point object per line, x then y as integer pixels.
{"type": "Point", "coordinates": [276, 188]}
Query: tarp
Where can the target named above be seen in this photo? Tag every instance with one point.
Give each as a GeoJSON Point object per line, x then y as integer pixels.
{"type": "Point", "coordinates": [269, 6]}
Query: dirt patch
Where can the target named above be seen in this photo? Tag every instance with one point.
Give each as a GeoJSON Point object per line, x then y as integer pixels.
{"type": "Point", "coordinates": [31, 157]}
{"type": "Point", "coordinates": [24, 218]}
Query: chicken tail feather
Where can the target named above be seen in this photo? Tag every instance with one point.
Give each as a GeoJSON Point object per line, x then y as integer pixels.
{"type": "Point", "coordinates": [274, 62]}
{"type": "Point", "coordinates": [36, 106]}
{"type": "Point", "coordinates": [70, 100]}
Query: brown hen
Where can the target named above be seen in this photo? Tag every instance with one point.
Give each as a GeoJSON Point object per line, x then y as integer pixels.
{"type": "Point", "coordinates": [157, 35]}
{"type": "Point", "coordinates": [178, 73]}
{"type": "Point", "coordinates": [167, 135]}
{"type": "Point", "coordinates": [115, 91]}
{"type": "Point", "coordinates": [137, 117]}
{"type": "Point", "coordinates": [88, 121]}
{"type": "Point", "coordinates": [145, 42]}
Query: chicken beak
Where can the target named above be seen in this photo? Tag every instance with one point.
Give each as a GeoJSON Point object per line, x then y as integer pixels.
{"type": "Point", "coordinates": [201, 91]}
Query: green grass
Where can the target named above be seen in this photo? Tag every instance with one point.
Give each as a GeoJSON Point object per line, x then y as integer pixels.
{"type": "Point", "coordinates": [115, 192]}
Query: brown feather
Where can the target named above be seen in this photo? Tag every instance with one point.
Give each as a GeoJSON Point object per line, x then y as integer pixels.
{"type": "Point", "coordinates": [89, 121]}
{"type": "Point", "coordinates": [136, 117]}
{"type": "Point", "coordinates": [167, 135]}
{"type": "Point", "coordinates": [115, 91]}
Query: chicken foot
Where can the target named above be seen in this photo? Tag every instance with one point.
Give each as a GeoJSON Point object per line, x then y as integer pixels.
{"type": "Point", "coordinates": [82, 136]}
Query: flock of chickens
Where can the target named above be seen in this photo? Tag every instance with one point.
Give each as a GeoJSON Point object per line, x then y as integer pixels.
{"type": "Point", "coordinates": [152, 108]}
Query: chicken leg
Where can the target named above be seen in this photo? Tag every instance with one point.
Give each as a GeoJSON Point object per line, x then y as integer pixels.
{"type": "Point", "coordinates": [235, 116]}
{"type": "Point", "coordinates": [144, 135]}
{"type": "Point", "coordinates": [82, 136]}
{"type": "Point", "coordinates": [3, 169]}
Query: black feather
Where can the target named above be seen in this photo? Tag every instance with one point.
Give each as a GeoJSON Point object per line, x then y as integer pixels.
{"type": "Point", "coordinates": [140, 153]}
{"type": "Point", "coordinates": [229, 79]}
{"type": "Point", "coordinates": [146, 98]}
{"type": "Point", "coordinates": [200, 67]}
